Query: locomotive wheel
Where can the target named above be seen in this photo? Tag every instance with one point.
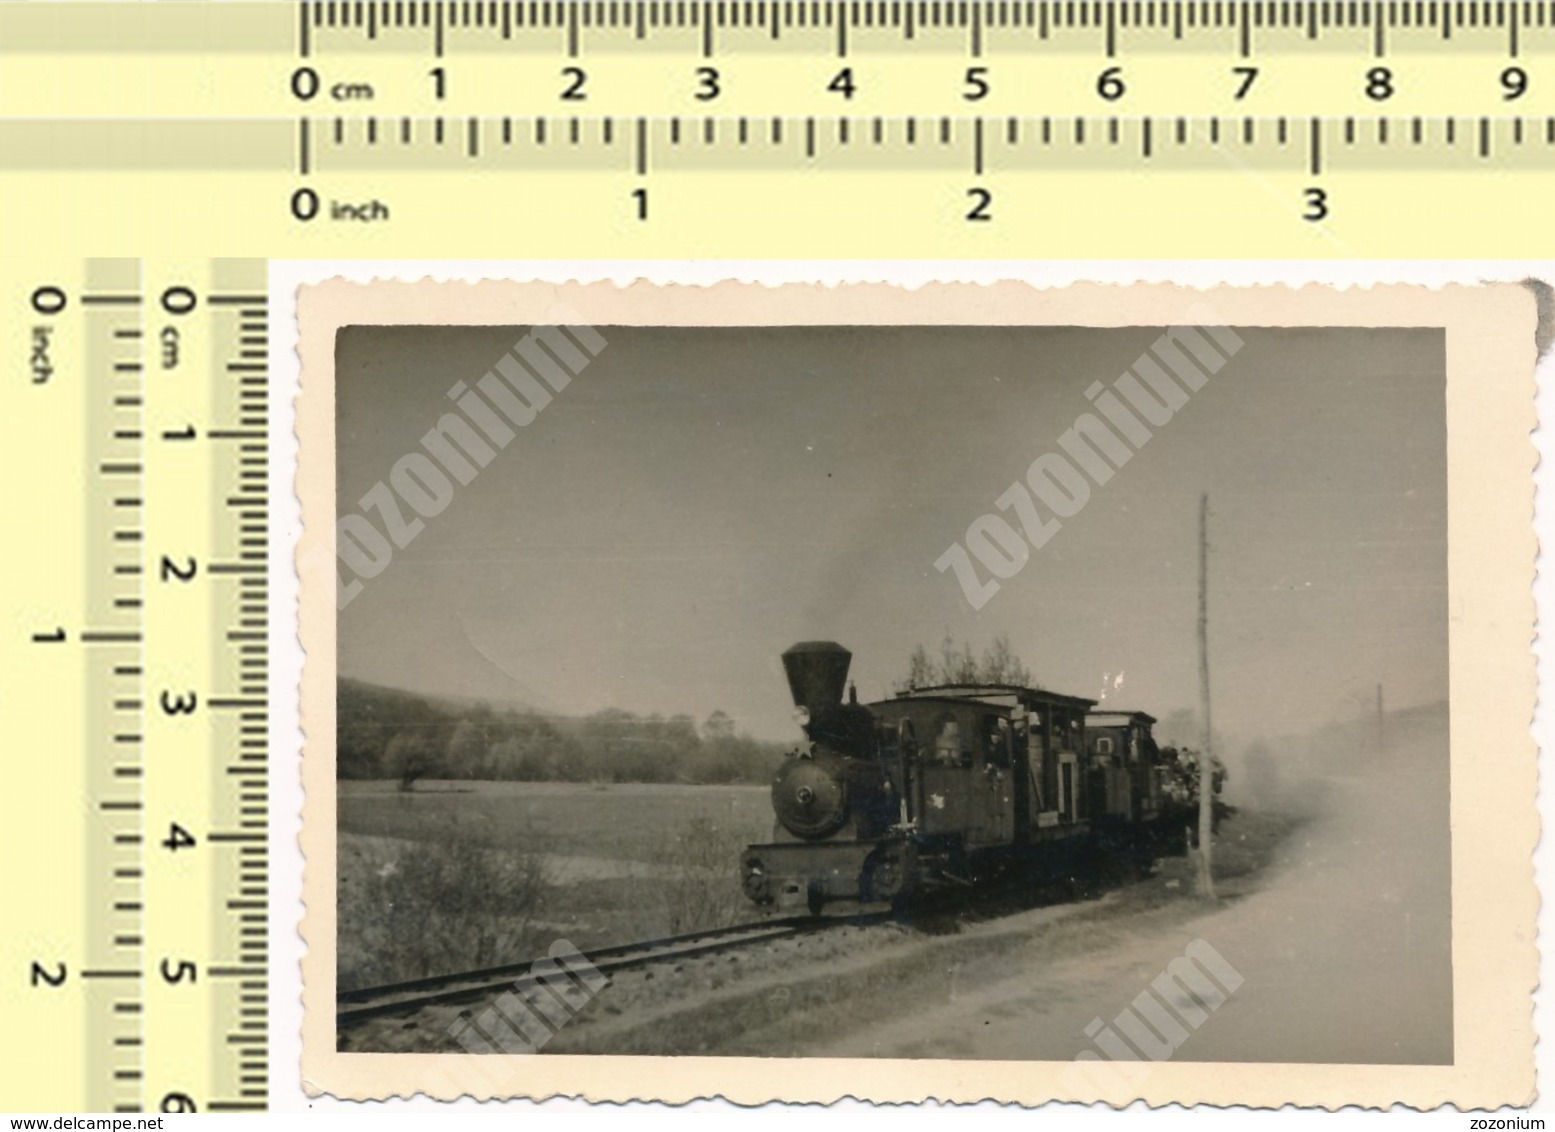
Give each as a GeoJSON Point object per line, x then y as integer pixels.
{"type": "Point", "coordinates": [887, 874]}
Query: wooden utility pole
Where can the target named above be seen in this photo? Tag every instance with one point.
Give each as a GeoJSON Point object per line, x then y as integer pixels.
{"type": "Point", "coordinates": [1207, 752]}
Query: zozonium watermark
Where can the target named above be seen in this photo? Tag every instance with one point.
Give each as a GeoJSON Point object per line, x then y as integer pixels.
{"type": "Point", "coordinates": [507, 398]}
{"type": "Point", "coordinates": [1154, 1026]}
{"type": "Point", "coordinates": [521, 1020]}
{"type": "Point", "coordinates": [1057, 485]}
{"type": "Point", "coordinates": [528, 1015]}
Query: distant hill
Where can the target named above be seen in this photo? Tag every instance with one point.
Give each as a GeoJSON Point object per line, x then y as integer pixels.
{"type": "Point", "coordinates": [384, 732]}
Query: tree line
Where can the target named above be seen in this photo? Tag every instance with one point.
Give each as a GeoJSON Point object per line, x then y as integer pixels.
{"type": "Point", "coordinates": [385, 733]}
{"type": "Point", "coordinates": [958, 664]}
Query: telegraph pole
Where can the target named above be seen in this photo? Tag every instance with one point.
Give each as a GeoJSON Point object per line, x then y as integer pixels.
{"type": "Point", "coordinates": [1207, 753]}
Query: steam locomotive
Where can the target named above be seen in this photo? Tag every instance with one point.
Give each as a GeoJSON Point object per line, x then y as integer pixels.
{"type": "Point", "coordinates": [950, 786]}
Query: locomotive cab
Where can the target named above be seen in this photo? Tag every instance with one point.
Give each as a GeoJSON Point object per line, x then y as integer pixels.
{"type": "Point", "coordinates": [998, 765]}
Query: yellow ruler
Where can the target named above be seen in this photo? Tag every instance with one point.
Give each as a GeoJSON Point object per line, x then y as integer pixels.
{"type": "Point", "coordinates": [780, 127]}
{"type": "Point", "coordinates": [134, 698]}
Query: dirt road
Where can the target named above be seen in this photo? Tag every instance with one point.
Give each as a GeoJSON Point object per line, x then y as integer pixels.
{"type": "Point", "coordinates": [1344, 952]}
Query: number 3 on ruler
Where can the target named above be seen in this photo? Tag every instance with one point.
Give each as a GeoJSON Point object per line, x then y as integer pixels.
{"type": "Point", "coordinates": [1317, 205]}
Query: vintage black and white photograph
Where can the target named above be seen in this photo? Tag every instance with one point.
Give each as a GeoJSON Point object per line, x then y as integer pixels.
{"type": "Point", "coordinates": [899, 691]}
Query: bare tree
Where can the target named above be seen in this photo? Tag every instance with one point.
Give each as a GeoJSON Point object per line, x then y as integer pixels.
{"type": "Point", "coordinates": [920, 670]}
{"type": "Point", "coordinates": [965, 671]}
{"type": "Point", "coordinates": [1001, 666]}
{"type": "Point", "coordinates": [957, 664]}
{"type": "Point", "coordinates": [949, 659]}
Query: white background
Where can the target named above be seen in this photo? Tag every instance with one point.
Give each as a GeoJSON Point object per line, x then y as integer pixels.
{"type": "Point", "coordinates": [287, 1095]}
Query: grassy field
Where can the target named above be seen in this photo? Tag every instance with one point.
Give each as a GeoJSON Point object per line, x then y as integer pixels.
{"type": "Point", "coordinates": [461, 875]}
{"type": "Point", "coordinates": [794, 997]}
{"type": "Point", "coordinates": [453, 876]}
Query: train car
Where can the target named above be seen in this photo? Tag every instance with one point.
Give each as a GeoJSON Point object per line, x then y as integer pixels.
{"type": "Point", "coordinates": [1125, 778]}
{"type": "Point", "coordinates": [1125, 783]}
{"type": "Point", "coordinates": [941, 786]}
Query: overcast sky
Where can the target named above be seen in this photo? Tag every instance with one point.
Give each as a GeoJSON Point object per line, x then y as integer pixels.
{"type": "Point", "coordinates": [698, 499]}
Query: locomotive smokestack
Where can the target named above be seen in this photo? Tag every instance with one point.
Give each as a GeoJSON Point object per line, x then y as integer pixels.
{"type": "Point", "coordinates": [817, 673]}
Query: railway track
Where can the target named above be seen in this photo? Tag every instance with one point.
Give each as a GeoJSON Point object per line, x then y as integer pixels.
{"type": "Point", "coordinates": [355, 1006]}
